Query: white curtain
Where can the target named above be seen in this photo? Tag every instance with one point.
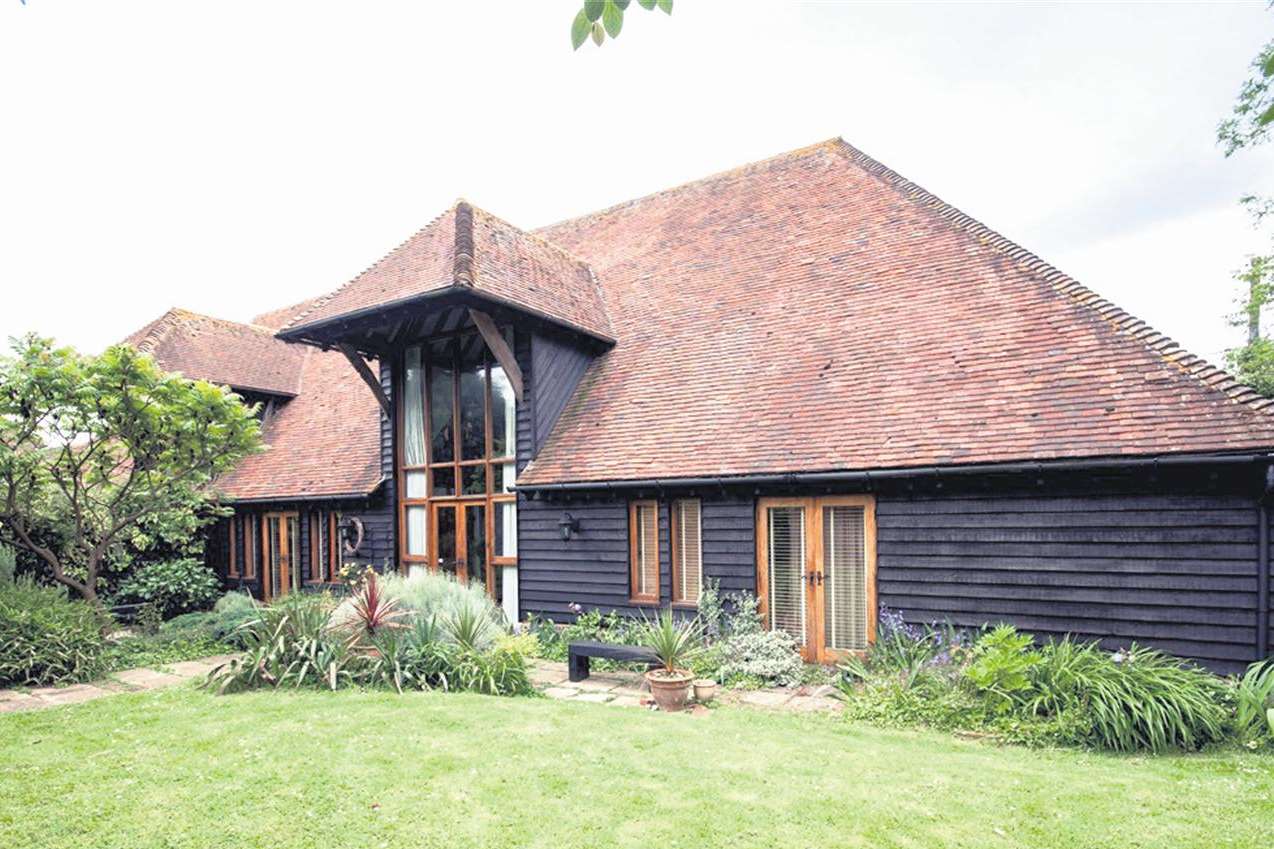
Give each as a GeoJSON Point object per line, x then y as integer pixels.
{"type": "Point", "coordinates": [413, 411]}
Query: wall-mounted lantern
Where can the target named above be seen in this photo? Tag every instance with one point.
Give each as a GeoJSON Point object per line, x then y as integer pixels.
{"type": "Point", "coordinates": [568, 525]}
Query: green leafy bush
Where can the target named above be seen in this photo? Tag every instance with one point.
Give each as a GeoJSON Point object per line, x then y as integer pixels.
{"type": "Point", "coordinates": [1136, 698]}
{"type": "Point", "coordinates": [174, 586]}
{"type": "Point", "coordinates": [160, 649]}
{"type": "Point", "coordinates": [1254, 702]}
{"type": "Point", "coordinates": [1001, 666]}
{"type": "Point", "coordinates": [46, 638]}
{"type": "Point", "coordinates": [219, 625]}
{"type": "Point", "coordinates": [446, 638]}
{"type": "Point", "coordinates": [759, 658]}
{"type": "Point", "coordinates": [8, 563]}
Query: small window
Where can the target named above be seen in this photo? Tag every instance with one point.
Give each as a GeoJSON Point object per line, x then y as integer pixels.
{"type": "Point", "coordinates": [334, 546]}
{"type": "Point", "coordinates": [316, 547]}
{"type": "Point", "coordinates": [643, 533]}
{"type": "Point", "coordinates": [687, 551]}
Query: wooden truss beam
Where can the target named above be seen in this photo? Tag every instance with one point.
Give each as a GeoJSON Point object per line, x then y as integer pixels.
{"type": "Point", "coordinates": [372, 381]}
{"type": "Point", "coordinates": [503, 353]}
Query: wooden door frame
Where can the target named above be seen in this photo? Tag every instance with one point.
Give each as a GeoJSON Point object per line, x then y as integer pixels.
{"type": "Point", "coordinates": [815, 648]}
{"type": "Point", "coordinates": [267, 568]}
{"type": "Point", "coordinates": [460, 505]}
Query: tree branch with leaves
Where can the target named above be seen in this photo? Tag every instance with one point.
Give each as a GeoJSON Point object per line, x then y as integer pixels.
{"type": "Point", "coordinates": [107, 449]}
{"type": "Point", "coordinates": [600, 18]}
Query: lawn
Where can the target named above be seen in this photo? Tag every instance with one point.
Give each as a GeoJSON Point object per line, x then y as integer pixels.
{"type": "Point", "coordinates": [181, 768]}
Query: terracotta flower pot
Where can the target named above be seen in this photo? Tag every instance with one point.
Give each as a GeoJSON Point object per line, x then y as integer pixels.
{"type": "Point", "coordinates": [705, 689]}
{"type": "Point", "coordinates": [670, 691]}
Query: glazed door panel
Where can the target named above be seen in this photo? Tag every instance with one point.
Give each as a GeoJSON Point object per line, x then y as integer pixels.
{"type": "Point", "coordinates": [816, 565]}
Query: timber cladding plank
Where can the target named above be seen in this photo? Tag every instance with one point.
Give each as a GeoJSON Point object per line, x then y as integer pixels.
{"type": "Point", "coordinates": [1176, 571]}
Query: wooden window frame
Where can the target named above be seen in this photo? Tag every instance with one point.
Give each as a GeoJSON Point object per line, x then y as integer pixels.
{"type": "Point", "coordinates": [293, 582]}
{"type": "Point", "coordinates": [232, 560]}
{"type": "Point", "coordinates": [249, 547]}
{"type": "Point", "coordinates": [492, 465]}
{"type": "Point", "coordinates": [333, 546]}
{"type": "Point", "coordinates": [813, 506]}
{"type": "Point", "coordinates": [634, 566]}
{"type": "Point", "coordinates": [674, 529]}
{"type": "Point", "coordinates": [314, 520]}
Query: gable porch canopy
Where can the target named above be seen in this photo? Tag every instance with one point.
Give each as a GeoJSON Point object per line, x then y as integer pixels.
{"type": "Point", "coordinates": [465, 267]}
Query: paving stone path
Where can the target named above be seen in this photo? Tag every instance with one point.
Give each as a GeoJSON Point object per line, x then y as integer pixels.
{"type": "Point", "coordinates": [128, 681]}
{"type": "Point", "coordinates": [626, 689]}
{"type": "Point", "coordinates": [619, 688]}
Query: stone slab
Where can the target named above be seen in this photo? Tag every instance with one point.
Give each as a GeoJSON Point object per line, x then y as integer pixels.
{"type": "Point", "coordinates": [190, 668]}
{"type": "Point", "coordinates": [72, 695]}
{"type": "Point", "coordinates": [599, 698]}
{"type": "Point", "coordinates": [626, 701]}
{"type": "Point", "coordinates": [561, 692]}
{"type": "Point", "coordinates": [813, 704]}
{"type": "Point", "coordinates": [147, 679]}
{"type": "Point", "coordinates": [765, 698]}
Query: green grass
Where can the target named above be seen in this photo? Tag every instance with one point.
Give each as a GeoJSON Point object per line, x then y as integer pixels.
{"type": "Point", "coordinates": [183, 768]}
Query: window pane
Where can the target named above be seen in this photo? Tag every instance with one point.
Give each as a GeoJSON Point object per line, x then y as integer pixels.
{"type": "Point", "coordinates": [785, 527]}
{"type": "Point", "coordinates": [446, 539]}
{"type": "Point", "coordinates": [506, 529]}
{"type": "Point", "coordinates": [507, 475]}
{"type": "Point", "coordinates": [294, 552]}
{"type": "Point", "coordinates": [473, 425]}
{"type": "Point", "coordinates": [413, 410]}
{"type": "Point", "coordinates": [645, 552]}
{"type": "Point", "coordinates": [416, 530]}
{"type": "Point", "coordinates": [504, 427]}
{"type": "Point", "coordinates": [416, 484]}
{"type": "Point", "coordinates": [475, 531]}
{"type": "Point", "coordinates": [441, 427]}
{"type": "Point", "coordinates": [687, 552]}
{"type": "Point", "coordinates": [845, 587]}
{"type": "Point", "coordinates": [444, 480]}
{"type": "Point", "coordinates": [474, 479]}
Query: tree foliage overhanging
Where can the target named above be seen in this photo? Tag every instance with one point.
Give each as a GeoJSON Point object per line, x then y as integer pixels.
{"type": "Point", "coordinates": [100, 453]}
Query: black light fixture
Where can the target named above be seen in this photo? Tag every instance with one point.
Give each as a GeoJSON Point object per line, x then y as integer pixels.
{"type": "Point", "coordinates": [568, 525]}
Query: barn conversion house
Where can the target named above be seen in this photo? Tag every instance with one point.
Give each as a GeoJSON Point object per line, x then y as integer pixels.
{"type": "Point", "coordinates": [807, 378]}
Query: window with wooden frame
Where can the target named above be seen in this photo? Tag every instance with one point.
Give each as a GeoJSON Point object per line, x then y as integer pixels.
{"type": "Point", "coordinates": [643, 552]}
{"type": "Point", "coordinates": [686, 534]}
{"type": "Point", "coordinates": [232, 551]}
{"type": "Point", "coordinates": [317, 572]}
{"type": "Point", "coordinates": [334, 545]}
{"type": "Point", "coordinates": [457, 450]}
{"type": "Point", "coordinates": [249, 546]}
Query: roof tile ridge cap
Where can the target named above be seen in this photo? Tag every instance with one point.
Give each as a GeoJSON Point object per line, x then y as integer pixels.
{"type": "Point", "coordinates": [160, 329]}
{"type": "Point", "coordinates": [537, 238]}
{"type": "Point", "coordinates": [462, 264]}
{"type": "Point", "coordinates": [553, 246]}
{"type": "Point", "coordinates": [323, 300]}
{"type": "Point", "coordinates": [1061, 282]}
{"type": "Point", "coordinates": [738, 170]}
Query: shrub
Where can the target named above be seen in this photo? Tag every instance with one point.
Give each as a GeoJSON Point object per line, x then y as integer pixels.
{"type": "Point", "coordinates": [1136, 698]}
{"type": "Point", "coordinates": [163, 648]}
{"type": "Point", "coordinates": [1254, 702]}
{"type": "Point", "coordinates": [174, 586]}
{"type": "Point", "coordinates": [1001, 666]}
{"type": "Point", "coordinates": [760, 657]}
{"type": "Point", "coordinates": [46, 638]}
{"type": "Point", "coordinates": [221, 624]}
{"type": "Point", "coordinates": [290, 643]}
{"type": "Point", "coordinates": [8, 563]}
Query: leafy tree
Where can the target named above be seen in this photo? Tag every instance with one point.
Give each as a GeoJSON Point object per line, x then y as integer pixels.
{"type": "Point", "coordinates": [1248, 127]}
{"type": "Point", "coordinates": [109, 452]}
{"type": "Point", "coordinates": [600, 18]}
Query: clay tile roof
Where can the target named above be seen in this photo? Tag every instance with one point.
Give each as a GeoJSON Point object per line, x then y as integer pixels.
{"type": "Point", "coordinates": [466, 247]}
{"type": "Point", "coordinates": [816, 311]}
{"type": "Point", "coordinates": [242, 356]}
{"type": "Point", "coordinates": [322, 443]}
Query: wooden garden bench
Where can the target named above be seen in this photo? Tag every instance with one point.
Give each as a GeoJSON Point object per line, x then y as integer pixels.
{"type": "Point", "coordinates": [580, 653]}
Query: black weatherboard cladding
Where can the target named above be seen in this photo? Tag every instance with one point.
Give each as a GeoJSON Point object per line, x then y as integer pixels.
{"type": "Point", "coordinates": [1169, 561]}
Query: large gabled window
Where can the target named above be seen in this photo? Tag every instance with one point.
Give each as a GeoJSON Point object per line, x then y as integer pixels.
{"type": "Point", "coordinates": [643, 552]}
{"type": "Point", "coordinates": [457, 459]}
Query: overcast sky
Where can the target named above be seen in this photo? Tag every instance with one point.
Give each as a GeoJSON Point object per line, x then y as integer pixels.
{"type": "Point", "coordinates": [234, 156]}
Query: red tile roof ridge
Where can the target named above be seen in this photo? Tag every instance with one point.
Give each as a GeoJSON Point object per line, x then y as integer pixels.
{"type": "Point", "coordinates": [535, 236]}
{"type": "Point", "coordinates": [298, 319]}
{"type": "Point", "coordinates": [150, 336]}
{"type": "Point", "coordinates": [728, 173]}
{"type": "Point", "coordinates": [1121, 320]}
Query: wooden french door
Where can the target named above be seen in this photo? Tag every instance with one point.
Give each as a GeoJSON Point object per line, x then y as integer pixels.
{"type": "Point", "coordinates": [459, 541]}
{"type": "Point", "coordinates": [816, 571]}
{"type": "Point", "coordinates": [281, 554]}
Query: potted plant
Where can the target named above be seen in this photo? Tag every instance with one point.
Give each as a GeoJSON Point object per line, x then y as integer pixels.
{"type": "Point", "coordinates": [705, 690]}
{"type": "Point", "coordinates": [674, 645]}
